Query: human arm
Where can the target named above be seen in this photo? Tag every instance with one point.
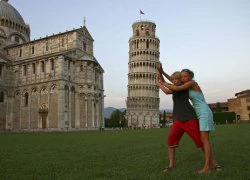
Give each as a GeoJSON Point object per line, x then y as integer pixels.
{"type": "Point", "coordinates": [186, 86]}
{"type": "Point", "coordinates": [159, 76]}
{"type": "Point", "coordinates": [167, 76]}
{"type": "Point", "coordinates": [163, 88]}
{"type": "Point", "coordinates": [162, 72]}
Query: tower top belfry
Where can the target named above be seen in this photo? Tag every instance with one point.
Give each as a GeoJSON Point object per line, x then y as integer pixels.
{"type": "Point", "coordinates": [144, 29]}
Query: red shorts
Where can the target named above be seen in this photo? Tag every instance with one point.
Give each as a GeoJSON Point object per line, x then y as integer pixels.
{"type": "Point", "coordinates": [191, 127]}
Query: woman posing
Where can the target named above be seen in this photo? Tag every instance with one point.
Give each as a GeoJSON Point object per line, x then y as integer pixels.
{"type": "Point", "coordinates": [184, 119]}
{"type": "Point", "coordinates": [203, 112]}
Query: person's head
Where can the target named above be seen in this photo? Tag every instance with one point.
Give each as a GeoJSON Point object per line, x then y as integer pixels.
{"type": "Point", "coordinates": [176, 78]}
{"type": "Point", "coordinates": [186, 75]}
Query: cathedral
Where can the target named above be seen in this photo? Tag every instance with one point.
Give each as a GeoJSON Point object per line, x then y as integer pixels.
{"type": "Point", "coordinates": [52, 83]}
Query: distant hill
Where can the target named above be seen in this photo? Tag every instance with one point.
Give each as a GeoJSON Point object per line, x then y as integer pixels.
{"type": "Point", "coordinates": [108, 111]}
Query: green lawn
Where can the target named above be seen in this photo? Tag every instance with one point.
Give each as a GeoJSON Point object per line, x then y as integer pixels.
{"type": "Point", "coordinates": [127, 154]}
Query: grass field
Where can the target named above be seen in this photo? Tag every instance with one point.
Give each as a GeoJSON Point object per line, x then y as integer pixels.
{"type": "Point", "coordinates": [127, 154]}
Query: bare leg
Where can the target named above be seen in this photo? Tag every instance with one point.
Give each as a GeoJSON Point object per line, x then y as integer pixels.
{"type": "Point", "coordinates": [207, 152]}
{"type": "Point", "coordinates": [212, 162]}
{"type": "Point", "coordinates": [171, 155]}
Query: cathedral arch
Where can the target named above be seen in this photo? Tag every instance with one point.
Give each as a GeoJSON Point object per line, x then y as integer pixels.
{"type": "Point", "coordinates": [2, 22]}
{"type": "Point", "coordinates": [17, 93]}
{"type": "Point", "coordinates": [2, 95]}
{"type": "Point", "coordinates": [33, 90]}
{"type": "Point", "coordinates": [26, 99]}
{"type": "Point", "coordinates": [43, 90]}
{"type": "Point", "coordinates": [53, 88]}
{"type": "Point", "coordinates": [73, 89]}
{"type": "Point", "coordinates": [2, 33]}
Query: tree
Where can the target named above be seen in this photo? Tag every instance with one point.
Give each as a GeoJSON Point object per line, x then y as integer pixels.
{"type": "Point", "coordinates": [117, 119]}
{"type": "Point", "coordinates": [163, 119]}
{"type": "Point", "coordinates": [218, 107]}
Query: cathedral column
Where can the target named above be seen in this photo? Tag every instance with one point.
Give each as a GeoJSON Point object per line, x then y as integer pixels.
{"type": "Point", "coordinates": [69, 109]}
{"type": "Point", "coordinates": [61, 105]}
{"type": "Point", "coordinates": [9, 115]}
{"type": "Point", "coordinates": [86, 112]}
{"type": "Point", "coordinates": [97, 114]}
{"type": "Point", "coordinates": [77, 110]}
{"type": "Point", "coordinates": [93, 113]}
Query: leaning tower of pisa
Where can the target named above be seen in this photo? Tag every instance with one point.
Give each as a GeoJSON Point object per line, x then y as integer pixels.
{"type": "Point", "coordinates": [143, 93]}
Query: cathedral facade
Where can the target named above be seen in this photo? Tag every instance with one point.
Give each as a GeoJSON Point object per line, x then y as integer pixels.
{"type": "Point", "coordinates": [143, 93]}
{"type": "Point", "coordinates": [51, 83]}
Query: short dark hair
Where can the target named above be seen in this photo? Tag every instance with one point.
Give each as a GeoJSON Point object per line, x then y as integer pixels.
{"type": "Point", "coordinates": [191, 73]}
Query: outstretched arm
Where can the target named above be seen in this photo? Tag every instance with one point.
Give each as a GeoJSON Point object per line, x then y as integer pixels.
{"type": "Point", "coordinates": [163, 88]}
{"type": "Point", "coordinates": [159, 74]}
{"type": "Point", "coordinates": [167, 76]}
{"type": "Point", "coordinates": [159, 67]}
{"type": "Point", "coordinates": [185, 86]}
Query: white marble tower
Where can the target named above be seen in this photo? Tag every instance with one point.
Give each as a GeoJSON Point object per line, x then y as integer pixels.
{"type": "Point", "coordinates": [143, 93]}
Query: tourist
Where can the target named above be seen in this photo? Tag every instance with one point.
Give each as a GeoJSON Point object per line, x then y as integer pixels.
{"type": "Point", "coordinates": [203, 112]}
{"type": "Point", "coordinates": [184, 119]}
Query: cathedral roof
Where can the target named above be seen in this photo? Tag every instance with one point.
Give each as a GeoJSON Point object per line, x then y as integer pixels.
{"type": "Point", "coordinates": [9, 12]}
{"type": "Point", "coordinates": [87, 58]}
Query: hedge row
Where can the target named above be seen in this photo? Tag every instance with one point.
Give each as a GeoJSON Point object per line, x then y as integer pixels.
{"type": "Point", "coordinates": [224, 117]}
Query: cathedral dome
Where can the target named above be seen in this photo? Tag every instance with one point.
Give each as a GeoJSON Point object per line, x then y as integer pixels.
{"type": "Point", "coordinates": [9, 12]}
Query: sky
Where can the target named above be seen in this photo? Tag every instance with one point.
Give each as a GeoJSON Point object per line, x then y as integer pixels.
{"type": "Point", "coordinates": [212, 38]}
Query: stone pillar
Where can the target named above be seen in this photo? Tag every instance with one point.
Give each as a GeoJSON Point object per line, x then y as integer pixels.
{"type": "Point", "coordinates": [69, 109]}
{"type": "Point", "coordinates": [86, 112]}
{"type": "Point", "coordinates": [93, 113]}
{"type": "Point", "coordinates": [9, 115]}
{"type": "Point", "coordinates": [77, 111]}
{"type": "Point", "coordinates": [98, 114]}
{"type": "Point", "coordinates": [61, 106]}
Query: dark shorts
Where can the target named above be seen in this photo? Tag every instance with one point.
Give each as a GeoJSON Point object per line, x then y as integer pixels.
{"type": "Point", "coordinates": [191, 127]}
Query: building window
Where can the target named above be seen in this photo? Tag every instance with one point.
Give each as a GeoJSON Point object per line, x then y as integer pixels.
{"type": "Point", "coordinates": [1, 69]}
{"type": "Point", "coordinates": [24, 70]}
{"type": "Point", "coordinates": [42, 66]}
{"type": "Point", "coordinates": [84, 46]}
{"type": "Point", "coordinates": [69, 65]}
{"type": "Point", "coordinates": [47, 46]}
{"type": "Point", "coordinates": [20, 52]}
{"type": "Point", "coordinates": [147, 44]}
{"type": "Point", "coordinates": [52, 64]}
{"type": "Point", "coordinates": [33, 49]}
{"type": "Point", "coordinates": [137, 32]}
{"type": "Point", "coordinates": [248, 108]}
{"type": "Point", "coordinates": [142, 27]}
{"type": "Point", "coordinates": [1, 97]}
{"type": "Point", "coordinates": [34, 68]}
{"type": "Point", "coordinates": [17, 39]}
{"type": "Point", "coordinates": [81, 68]}
{"type": "Point", "coordinates": [247, 99]}
{"type": "Point", "coordinates": [26, 99]}
{"type": "Point", "coordinates": [62, 42]}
